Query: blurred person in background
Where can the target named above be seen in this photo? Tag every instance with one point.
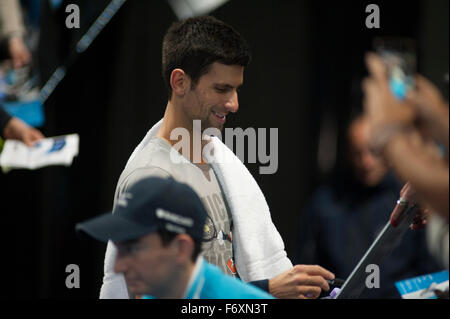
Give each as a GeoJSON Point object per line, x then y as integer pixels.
{"type": "Point", "coordinates": [12, 31]}
{"type": "Point", "coordinates": [406, 134]}
{"type": "Point", "coordinates": [344, 217]}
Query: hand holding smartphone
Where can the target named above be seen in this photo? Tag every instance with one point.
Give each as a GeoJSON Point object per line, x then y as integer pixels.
{"type": "Point", "coordinates": [399, 56]}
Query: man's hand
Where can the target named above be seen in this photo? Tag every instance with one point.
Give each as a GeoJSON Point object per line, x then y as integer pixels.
{"type": "Point", "coordinates": [300, 282]}
{"type": "Point", "coordinates": [380, 104]}
{"type": "Point", "coordinates": [431, 109]}
{"type": "Point", "coordinates": [426, 99]}
{"type": "Point", "coordinates": [18, 52]}
{"type": "Point", "coordinates": [408, 197]}
{"type": "Point", "coordinates": [16, 129]}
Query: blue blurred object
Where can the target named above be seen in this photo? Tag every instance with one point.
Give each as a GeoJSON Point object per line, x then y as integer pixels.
{"type": "Point", "coordinates": [31, 112]}
{"type": "Point", "coordinates": [33, 11]}
{"type": "Point", "coordinates": [400, 87]}
{"type": "Point", "coordinates": [55, 4]}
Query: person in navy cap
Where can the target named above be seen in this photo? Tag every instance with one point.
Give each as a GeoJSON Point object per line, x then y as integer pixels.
{"type": "Point", "coordinates": [158, 227]}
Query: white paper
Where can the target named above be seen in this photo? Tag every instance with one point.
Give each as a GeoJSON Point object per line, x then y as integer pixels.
{"type": "Point", "coordinates": [58, 150]}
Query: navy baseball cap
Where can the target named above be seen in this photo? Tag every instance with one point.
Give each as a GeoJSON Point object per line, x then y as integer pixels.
{"type": "Point", "coordinates": [149, 205]}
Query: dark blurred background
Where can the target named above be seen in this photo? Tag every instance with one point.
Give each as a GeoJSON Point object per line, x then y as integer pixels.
{"type": "Point", "coordinates": [304, 80]}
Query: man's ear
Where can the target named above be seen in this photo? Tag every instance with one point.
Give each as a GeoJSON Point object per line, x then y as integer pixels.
{"type": "Point", "coordinates": [180, 82]}
{"type": "Point", "coordinates": [184, 245]}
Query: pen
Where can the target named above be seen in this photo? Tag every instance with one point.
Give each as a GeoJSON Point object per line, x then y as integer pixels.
{"type": "Point", "coordinates": [336, 282]}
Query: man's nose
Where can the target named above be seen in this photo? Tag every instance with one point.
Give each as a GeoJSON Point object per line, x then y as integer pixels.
{"type": "Point", "coordinates": [232, 104]}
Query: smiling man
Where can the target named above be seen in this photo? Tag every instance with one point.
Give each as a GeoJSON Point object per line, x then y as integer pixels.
{"type": "Point", "coordinates": [214, 95]}
{"type": "Point", "coordinates": [203, 62]}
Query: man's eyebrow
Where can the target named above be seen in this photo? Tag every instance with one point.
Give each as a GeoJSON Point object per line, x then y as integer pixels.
{"type": "Point", "coordinates": [227, 86]}
{"type": "Point", "coordinates": [224, 85]}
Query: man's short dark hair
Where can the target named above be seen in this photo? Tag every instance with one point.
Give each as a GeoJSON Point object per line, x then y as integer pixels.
{"type": "Point", "coordinates": [167, 237]}
{"type": "Point", "coordinates": [195, 43]}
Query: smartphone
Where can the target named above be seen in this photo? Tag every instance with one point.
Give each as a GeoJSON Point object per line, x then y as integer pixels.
{"type": "Point", "coordinates": [399, 56]}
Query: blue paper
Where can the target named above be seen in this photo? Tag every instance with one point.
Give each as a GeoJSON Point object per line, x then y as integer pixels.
{"type": "Point", "coordinates": [422, 287]}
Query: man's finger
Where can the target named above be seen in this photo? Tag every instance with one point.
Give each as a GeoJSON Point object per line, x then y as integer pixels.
{"type": "Point", "coordinates": [377, 69]}
{"type": "Point", "coordinates": [372, 94]}
{"type": "Point", "coordinates": [315, 281]}
{"type": "Point", "coordinates": [419, 220]}
{"type": "Point", "coordinates": [315, 270]}
{"type": "Point", "coordinates": [309, 292]}
{"type": "Point", "coordinates": [397, 213]}
{"type": "Point", "coordinates": [36, 134]}
{"type": "Point", "coordinates": [422, 83]}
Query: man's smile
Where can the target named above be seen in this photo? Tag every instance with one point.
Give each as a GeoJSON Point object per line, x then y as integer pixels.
{"type": "Point", "coordinates": [221, 117]}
